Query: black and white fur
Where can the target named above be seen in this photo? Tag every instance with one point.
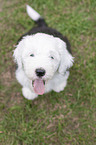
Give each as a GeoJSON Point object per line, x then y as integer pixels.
{"type": "Point", "coordinates": [43, 56]}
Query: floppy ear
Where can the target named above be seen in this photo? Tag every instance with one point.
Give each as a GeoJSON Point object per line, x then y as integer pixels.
{"type": "Point", "coordinates": [18, 54]}
{"type": "Point", "coordinates": [66, 58]}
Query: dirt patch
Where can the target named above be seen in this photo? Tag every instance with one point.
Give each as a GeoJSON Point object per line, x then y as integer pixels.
{"type": "Point", "coordinates": [6, 78]}
{"type": "Point", "coordinates": [1, 5]}
{"type": "Point", "coordinates": [15, 99]}
{"type": "Point", "coordinates": [9, 95]}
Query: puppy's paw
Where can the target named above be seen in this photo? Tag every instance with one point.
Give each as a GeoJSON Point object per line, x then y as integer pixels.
{"type": "Point", "coordinates": [28, 94]}
{"type": "Point", "coordinates": [60, 87]}
{"type": "Point", "coordinates": [62, 83]}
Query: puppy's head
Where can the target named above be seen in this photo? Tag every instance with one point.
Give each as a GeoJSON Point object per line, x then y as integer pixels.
{"type": "Point", "coordinates": [41, 56]}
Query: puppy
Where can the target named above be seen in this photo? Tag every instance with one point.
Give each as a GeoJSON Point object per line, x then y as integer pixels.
{"type": "Point", "coordinates": [43, 57]}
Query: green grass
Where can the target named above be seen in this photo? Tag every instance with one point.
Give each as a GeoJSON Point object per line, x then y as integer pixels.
{"type": "Point", "coordinates": [65, 118]}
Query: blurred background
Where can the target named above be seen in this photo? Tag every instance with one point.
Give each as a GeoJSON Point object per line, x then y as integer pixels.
{"type": "Point", "coordinates": [63, 118]}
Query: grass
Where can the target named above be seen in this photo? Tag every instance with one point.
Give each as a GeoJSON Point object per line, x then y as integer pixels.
{"type": "Point", "coordinates": [67, 118]}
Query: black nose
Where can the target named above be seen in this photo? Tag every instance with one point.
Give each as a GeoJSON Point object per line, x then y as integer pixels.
{"type": "Point", "coordinates": [40, 72]}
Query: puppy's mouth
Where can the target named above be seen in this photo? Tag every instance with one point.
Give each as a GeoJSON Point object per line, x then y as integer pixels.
{"type": "Point", "coordinates": [39, 86]}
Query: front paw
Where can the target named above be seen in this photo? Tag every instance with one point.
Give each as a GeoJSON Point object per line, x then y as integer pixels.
{"type": "Point", "coordinates": [60, 87]}
{"type": "Point", "coordinates": [28, 94]}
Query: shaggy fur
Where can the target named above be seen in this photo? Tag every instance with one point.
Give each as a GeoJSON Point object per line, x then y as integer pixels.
{"type": "Point", "coordinates": [43, 56]}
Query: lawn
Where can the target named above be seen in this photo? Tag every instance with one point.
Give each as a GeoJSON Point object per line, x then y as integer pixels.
{"type": "Point", "coordinates": [65, 118]}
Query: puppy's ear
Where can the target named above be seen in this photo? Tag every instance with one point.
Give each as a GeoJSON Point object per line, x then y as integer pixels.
{"type": "Point", "coordinates": [65, 57]}
{"type": "Point", "coordinates": [18, 54]}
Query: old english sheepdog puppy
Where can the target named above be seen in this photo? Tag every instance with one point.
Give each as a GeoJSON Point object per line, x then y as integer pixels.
{"type": "Point", "coordinates": [43, 57]}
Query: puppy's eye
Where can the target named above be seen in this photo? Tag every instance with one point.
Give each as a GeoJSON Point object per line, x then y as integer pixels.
{"type": "Point", "coordinates": [32, 55]}
{"type": "Point", "coordinates": [52, 57]}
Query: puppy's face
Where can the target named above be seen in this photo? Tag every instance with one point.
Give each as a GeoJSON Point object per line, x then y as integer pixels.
{"type": "Point", "coordinates": [40, 59]}
{"type": "Point", "coordinates": [39, 62]}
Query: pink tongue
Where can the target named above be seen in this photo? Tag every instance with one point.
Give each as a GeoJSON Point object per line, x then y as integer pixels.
{"type": "Point", "coordinates": [39, 87]}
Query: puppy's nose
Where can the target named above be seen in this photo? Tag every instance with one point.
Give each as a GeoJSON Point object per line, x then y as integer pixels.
{"type": "Point", "coordinates": [40, 72]}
